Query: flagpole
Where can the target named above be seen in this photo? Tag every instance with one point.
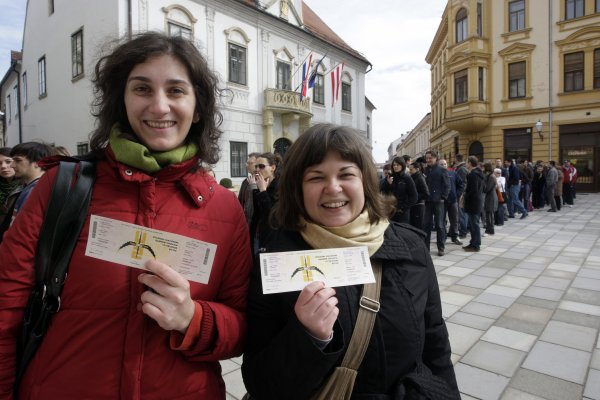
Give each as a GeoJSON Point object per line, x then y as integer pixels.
{"type": "Point", "coordinates": [297, 68]}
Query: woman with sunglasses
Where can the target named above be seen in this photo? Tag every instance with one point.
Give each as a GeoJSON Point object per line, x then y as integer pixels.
{"type": "Point", "coordinates": [264, 195]}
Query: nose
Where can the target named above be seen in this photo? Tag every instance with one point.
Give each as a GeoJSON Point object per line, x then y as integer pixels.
{"type": "Point", "coordinates": [333, 186]}
{"type": "Point", "coordinates": [160, 103]}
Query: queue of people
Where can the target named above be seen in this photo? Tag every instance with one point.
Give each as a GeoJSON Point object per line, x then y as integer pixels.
{"type": "Point", "coordinates": [496, 193]}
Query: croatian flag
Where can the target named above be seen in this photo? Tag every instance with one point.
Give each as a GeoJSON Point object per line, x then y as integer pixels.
{"type": "Point", "coordinates": [336, 82]}
{"type": "Point", "coordinates": [313, 76]}
{"type": "Point", "coordinates": [305, 73]}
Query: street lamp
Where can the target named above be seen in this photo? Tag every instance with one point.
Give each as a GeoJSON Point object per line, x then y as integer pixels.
{"type": "Point", "coordinates": [538, 128]}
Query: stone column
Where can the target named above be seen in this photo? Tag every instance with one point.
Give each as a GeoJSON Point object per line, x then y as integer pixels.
{"type": "Point", "coordinates": [267, 130]}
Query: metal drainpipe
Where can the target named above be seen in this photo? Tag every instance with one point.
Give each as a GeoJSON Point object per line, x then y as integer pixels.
{"type": "Point", "coordinates": [550, 78]}
{"type": "Point", "coordinates": [129, 19]}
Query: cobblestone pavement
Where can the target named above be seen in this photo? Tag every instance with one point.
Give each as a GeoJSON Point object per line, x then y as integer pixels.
{"type": "Point", "coordinates": [523, 313]}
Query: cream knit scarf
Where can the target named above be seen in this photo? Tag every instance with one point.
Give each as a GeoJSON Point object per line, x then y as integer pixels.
{"type": "Point", "coordinates": [359, 232]}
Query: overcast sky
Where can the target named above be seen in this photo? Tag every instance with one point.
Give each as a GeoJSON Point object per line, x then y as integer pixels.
{"type": "Point", "coordinates": [394, 35]}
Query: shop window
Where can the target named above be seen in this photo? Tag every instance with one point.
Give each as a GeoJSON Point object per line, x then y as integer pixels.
{"type": "Point", "coordinates": [517, 144]}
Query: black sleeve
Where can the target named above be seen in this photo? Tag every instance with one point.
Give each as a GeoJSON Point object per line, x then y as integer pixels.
{"type": "Point", "coordinates": [281, 360]}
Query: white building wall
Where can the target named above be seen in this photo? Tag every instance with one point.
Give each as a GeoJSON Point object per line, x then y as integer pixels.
{"type": "Point", "coordinates": [64, 117]}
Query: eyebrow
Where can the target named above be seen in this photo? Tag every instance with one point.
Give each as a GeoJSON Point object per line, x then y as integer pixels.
{"type": "Point", "coordinates": [169, 81]}
{"type": "Point", "coordinates": [308, 170]}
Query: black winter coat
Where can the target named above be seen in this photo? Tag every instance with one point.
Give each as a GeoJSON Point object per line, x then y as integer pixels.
{"type": "Point", "coordinates": [404, 190]}
{"type": "Point", "coordinates": [421, 185]}
{"type": "Point", "coordinates": [262, 203]}
{"type": "Point", "coordinates": [282, 361]}
{"type": "Point", "coordinates": [474, 192]}
{"type": "Point", "coordinates": [438, 183]}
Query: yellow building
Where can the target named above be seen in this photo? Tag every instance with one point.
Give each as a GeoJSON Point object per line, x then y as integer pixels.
{"type": "Point", "coordinates": [519, 79]}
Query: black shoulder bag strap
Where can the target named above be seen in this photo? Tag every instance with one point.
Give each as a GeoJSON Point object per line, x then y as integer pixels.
{"type": "Point", "coordinates": [64, 219]}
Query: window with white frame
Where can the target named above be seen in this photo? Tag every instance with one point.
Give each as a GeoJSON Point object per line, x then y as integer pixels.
{"type": "Point", "coordinates": [237, 64]}
{"type": "Point", "coordinates": [8, 109]}
{"type": "Point", "coordinates": [24, 84]}
{"type": "Point", "coordinates": [16, 97]}
{"type": "Point", "coordinates": [516, 15]}
{"type": "Point", "coordinates": [462, 25]}
{"type": "Point", "coordinates": [574, 71]}
{"type": "Point", "coordinates": [574, 9]}
{"type": "Point", "coordinates": [516, 80]}
{"type": "Point", "coordinates": [179, 21]}
{"type": "Point", "coordinates": [179, 30]}
{"type": "Point", "coordinates": [461, 86]}
{"type": "Point", "coordinates": [283, 71]}
{"type": "Point", "coordinates": [346, 96]}
{"type": "Point", "coordinates": [319, 90]}
{"type": "Point", "coordinates": [238, 154]}
{"type": "Point", "coordinates": [77, 54]}
{"type": "Point", "coordinates": [42, 77]}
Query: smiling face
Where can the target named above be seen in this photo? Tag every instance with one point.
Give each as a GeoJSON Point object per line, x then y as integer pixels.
{"type": "Point", "coordinates": [160, 102]}
{"type": "Point", "coordinates": [6, 171]}
{"type": "Point", "coordinates": [333, 191]}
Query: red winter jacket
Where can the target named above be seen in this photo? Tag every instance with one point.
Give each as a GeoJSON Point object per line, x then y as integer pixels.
{"type": "Point", "coordinates": [99, 345]}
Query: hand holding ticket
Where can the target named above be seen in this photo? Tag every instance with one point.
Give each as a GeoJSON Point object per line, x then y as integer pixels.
{"type": "Point", "coordinates": [132, 245]}
{"type": "Point", "coordinates": [292, 270]}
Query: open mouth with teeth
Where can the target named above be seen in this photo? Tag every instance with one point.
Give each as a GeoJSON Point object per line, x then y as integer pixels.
{"type": "Point", "coordinates": [335, 205]}
{"type": "Point", "coordinates": [160, 124]}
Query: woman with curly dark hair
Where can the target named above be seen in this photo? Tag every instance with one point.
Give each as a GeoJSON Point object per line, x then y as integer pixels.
{"type": "Point", "coordinates": [146, 332]}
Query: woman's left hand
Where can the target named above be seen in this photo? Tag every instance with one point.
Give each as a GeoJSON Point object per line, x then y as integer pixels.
{"type": "Point", "coordinates": [169, 302]}
{"type": "Point", "coordinates": [261, 182]}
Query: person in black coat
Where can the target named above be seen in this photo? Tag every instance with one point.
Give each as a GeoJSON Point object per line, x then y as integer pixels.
{"type": "Point", "coordinates": [264, 186]}
{"type": "Point", "coordinates": [403, 188]}
{"type": "Point", "coordinates": [438, 183]}
{"type": "Point", "coordinates": [329, 198]}
{"type": "Point", "coordinates": [474, 202]}
{"type": "Point", "coordinates": [417, 211]}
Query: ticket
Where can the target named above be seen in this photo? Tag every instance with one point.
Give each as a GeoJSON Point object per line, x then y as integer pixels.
{"type": "Point", "coordinates": [132, 245]}
{"type": "Point", "coordinates": [292, 270]}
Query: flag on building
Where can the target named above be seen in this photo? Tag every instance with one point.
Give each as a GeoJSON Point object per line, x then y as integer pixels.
{"type": "Point", "coordinates": [305, 75]}
{"type": "Point", "coordinates": [336, 82]}
{"type": "Point", "coordinates": [313, 76]}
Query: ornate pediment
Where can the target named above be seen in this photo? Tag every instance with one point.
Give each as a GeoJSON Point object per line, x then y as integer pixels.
{"type": "Point", "coordinates": [516, 50]}
{"type": "Point", "coordinates": [583, 38]}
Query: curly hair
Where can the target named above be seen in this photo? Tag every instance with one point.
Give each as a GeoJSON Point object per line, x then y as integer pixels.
{"type": "Point", "coordinates": [110, 79]}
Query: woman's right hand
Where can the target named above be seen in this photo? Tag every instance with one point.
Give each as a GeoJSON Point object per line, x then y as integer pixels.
{"type": "Point", "coordinates": [316, 309]}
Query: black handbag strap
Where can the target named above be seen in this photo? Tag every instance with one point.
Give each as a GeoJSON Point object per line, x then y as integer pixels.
{"type": "Point", "coordinates": [67, 211]}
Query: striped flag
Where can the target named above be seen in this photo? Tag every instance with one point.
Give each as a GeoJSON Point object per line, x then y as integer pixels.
{"type": "Point", "coordinates": [305, 74]}
{"type": "Point", "coordinates": [336, 82]}
{"type": "Point", "coordinates": [313, 76]}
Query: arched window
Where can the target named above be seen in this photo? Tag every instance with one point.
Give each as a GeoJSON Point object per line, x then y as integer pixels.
{"type": "Point", "coordinates": [461, 25]}
{"type": "Point", "coordinates": [476, 149]}
{"type": "Point", "coordinates": [179, 21]}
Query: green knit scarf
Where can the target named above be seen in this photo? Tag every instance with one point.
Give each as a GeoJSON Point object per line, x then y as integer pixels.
{"type": "Point", "coordinates": [139, 156]}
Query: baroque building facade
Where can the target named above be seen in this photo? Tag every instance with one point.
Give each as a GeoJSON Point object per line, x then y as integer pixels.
{"type": "Point", "coordinates": [258, 50]}
{"type": "Point", "coordinates": [519, 79]}
{"type": "Point", "coordinates": [416, 141]}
